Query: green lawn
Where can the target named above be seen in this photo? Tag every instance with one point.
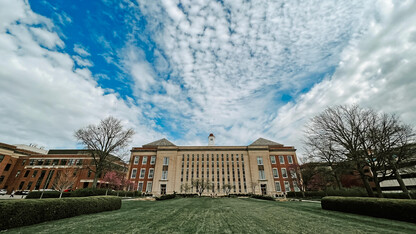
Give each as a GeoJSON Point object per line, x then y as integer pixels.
{"type": "Point", "coordinates": [222, 215]}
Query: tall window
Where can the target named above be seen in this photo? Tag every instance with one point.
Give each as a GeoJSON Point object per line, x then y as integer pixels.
{"type": "Point", "coordinates": [7, 167]}
{"type": "Point", "coordinates": [165, 161]}
{"type": "Point", "coordinates": [261, 175]}
{"type": "Point", "coordinates": [1, 158]}
{"type": "Point", "coordinates": [149, 187]}
{"type": "Point", "coordinates": [273, 159]}
{"type": "Point", "coordinates": [281, 159]}
{"type": "Point", "coordinates": [133, 173]}
{"type": "Point", "coordinates": [164, 175]}
{"type": "Point", "coordinates": [292, 173]}
{"type": "Point", "coordinates": [140, 187]}
{"type": "Point", "coordinates": [142, 172]}
{"type": "Point", "coordinates": [278, 188]}
{"type": "Point", "coordinates": [290, 159]}
{"type": "Point", "coordinates": [275, 173]}
{"type": "Point", "coordinates": [144, 160]}
{"type": "Point", "coordinates": [27, 173]}
{"type": "Point", "coordinates": [259, 160]}
{"type": "Point", "coordinates": [151, 171]}
{"type": "Point", "coordinates": [284, 173]}
{"type": "Point", "coordinates": [17, 174]}
{"type": "Point", "coordinates": [153, 160]}
{"type": "Point", "coordinates": [295, 186]}
{"type": "Point", "coordinates": [136, 160]}
{"type": "Point", "coordinates": [287, 186]}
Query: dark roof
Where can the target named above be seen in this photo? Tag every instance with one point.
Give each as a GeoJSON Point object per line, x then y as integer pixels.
{"type": "Point", "coordinates": [211, 134]}
{"type": "Point", "coordinates": [68, 151]}
{"type": "Point", "coordinates": [161, 142]}
{"type": "Point", "coordinates": [264, 142]}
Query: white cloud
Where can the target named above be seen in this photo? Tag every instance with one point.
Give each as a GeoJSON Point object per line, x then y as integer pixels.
{"type": "Point", "coordinates": [81, 51]}
{"type": "Point", "coordinates": [377, 72]}
{"type": "Point", "coordinates": [44, 99]}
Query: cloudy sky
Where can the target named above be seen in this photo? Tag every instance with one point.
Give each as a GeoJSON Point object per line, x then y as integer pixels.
{"type": "Point", "coordinates": [183, 69]}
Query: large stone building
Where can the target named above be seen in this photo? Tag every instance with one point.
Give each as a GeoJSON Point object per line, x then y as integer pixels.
{"type": "Point", "coordinates": [29, 168]}
{"type": "Point", "coordinates": [263, 167]}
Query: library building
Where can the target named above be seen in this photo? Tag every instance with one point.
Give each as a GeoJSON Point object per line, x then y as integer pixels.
{"type": "Point", "coordinates": [263, 167]}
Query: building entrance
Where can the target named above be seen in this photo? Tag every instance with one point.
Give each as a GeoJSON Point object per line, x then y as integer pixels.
{"type": "Point", "coordinates": [163, 189]}
{"type": "Point", "coordinates": [263, 189]}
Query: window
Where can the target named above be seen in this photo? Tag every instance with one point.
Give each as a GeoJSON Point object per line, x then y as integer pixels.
{"type": "Point", "coordinates": [284, 173]}
{"type": "Point", "coordinates": [1, 158]}
{"type": "Point", "coordinates": [165, 161]}
{"type": "Point", "coordinates": [259, 160]}
{"type": "Point", "coordinates": [7, 167]}
{"type": "Point", "coordinates": [39, 162]}
{"type": "Point", "coordinates": [278, 188]}
{"type": "Point", "coordinates": [261, 175]}
{"type": "Point", "coordinates": [153, 160]}
{"type": "Point", "coordinates": [23, 162]}
{"type": "Point", "coordinates": [21, 185]}
{"type": "Point", "coordinates": [63, 162]}
{"type": "Point", "coordinates": [79, 162]}
{"type": "Point", "coordinates": [26, 173]}
{"type": "Point", "coordinates": [275, 173]}
{"type": "Point", "coordinates": [1, 179]}
{"type": "Point", "coordinates": [281, 159]}
{"type": "Point", "coordinates": [142, 172]}
{"type": "Point", "coordinates": [29, 185]}
{"type": "Point", "coordinates": [34, 174]}
{"type": "Point", "coordinates": [140, 187]}
{"type": "Point", "coordinates": [71, 162]}
{"type": "Point", "coordinates": [32, 162]}
{"type": "Point", "coordinates": [144, 160]}
{"type": "Point", "coordinates": [164, 175]}
{"type": "Point", "coordinates": [149, 187]}
{"type": "Point", "coordinates": [151, 171]}
{"type": "Point", "coordinates": [55, 162]}
{"type": "Point", "coordinates": [17, 174]}
{"type": "Point", "coordinates": [287, 186]}
{"type": "Point", "coordinates": [47, 161]}
{"type": "Point", "coordinates": [136, 160]}
{"type": "Point", "coordinates": [290, 159]}
{"type": "Point", "coordinates": [133, 173]}
{"type": "Point", "coordinates": [273, 159]}
{"type": "Point", "coordinates": [89, 173]}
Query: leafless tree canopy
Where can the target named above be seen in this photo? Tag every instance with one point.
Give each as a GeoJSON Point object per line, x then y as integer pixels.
{"type": "Point", "coordinates": [104, 139]}
{"type": "Point", "coordinates": [201, 185]}
{"type": "Point", "coordinates": [65, 180]}
{"type": "Point", "coordinates": [360, 136]}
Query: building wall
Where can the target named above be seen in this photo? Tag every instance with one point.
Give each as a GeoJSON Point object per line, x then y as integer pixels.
{"type": "Point", "coordinates": [242, 172]}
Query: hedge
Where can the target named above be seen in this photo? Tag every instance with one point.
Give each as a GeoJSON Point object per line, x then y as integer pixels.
{"type": "Point", "coordinates": [398, 209]}
{"type": "Point", "coordinates": [166, 197]}
{"type": "Point", "coordinates": [82, 193]}
{"type": "Point", "coordinates": [262, 197]}
{"type": "Point", "coordinates": [47, 194]}
{"type": "Point", "coordinates": [16, 213]}
{"type": "Point", "coordinates": [346, 193]}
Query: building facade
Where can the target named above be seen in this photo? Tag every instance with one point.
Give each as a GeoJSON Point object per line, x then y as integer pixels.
{"type": "Point", "coordinates": [263, 167]}
{"type": "Point", "coordinates": [23, 169]}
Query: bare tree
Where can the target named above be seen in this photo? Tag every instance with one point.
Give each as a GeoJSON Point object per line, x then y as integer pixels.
{"type": "Point", "coordinates": [201, 185]}
{"type": "Point", "coordinates": [104, 139]}
{"type": "Point", "coordinates": [185, 188]}
{"type": "Point", "coordinates": [360, 136]}
{"type": "Point", "coordinates": [65, 179]}
{"type": "Point", "coordinates": [342, 126]}
{"type": "Point", "coordinates": [253, 186]}
{"type": "Point", "coordinates": [227, 188]}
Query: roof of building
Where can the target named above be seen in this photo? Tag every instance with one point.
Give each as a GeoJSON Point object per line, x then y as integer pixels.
{"type": "Point", "coordinates": [211, 134]}
{"type": "Point", "coordinates": [161, 142]}
{"type": "Point", "coordinates": [264, 142]}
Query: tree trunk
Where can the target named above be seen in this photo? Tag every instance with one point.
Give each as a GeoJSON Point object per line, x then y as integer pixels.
{"type": "Point", "coordinates": [97, 173]}
{"type": "Point", "coordinates": [60, 195]}
{"type": "Point", "coordinates": [377, 183]}
{"type": "Point", "coordinates": [399, 179]}
{"type": "Point", "coordinates": [337, 181]}
{"type": "Point", "coordinates": [365, 181]}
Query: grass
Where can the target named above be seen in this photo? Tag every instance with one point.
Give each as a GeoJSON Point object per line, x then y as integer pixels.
{"type": "Point", "coordinates": [222, 215]}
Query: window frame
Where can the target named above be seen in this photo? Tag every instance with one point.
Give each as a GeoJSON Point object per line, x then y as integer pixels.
{"type": "Point", "coordinates": [144, 160]}
{"type": "Point", "coordinates": [273, 159]}
{"type": "Point", "coordinates": [152, 160]}
{"type": "Point", "coordinates": [260, 160]}
{"type": "Point", "coordinates": [285, 173]}
{"type": "Point", "coordinates": [281, 159]}
{"type": "Point", "coordinates": [133, 172]}
{"type": "Point", "coordinates": [142, 173]}
{"type": "Point", "coordinates": [136, 160]}
{"type": "Point", "coordinates": [290, 159]}
{"type": "Point", "coordinates": [277, 173]}
{"type": "Point", "coordinates": [151, 173]}
{"type": "Point", "coordinates": [280, 186]}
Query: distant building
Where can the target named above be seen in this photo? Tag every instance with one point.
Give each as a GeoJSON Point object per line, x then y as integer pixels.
{"type": "Point", "coordinates": [23, 168]}
{"type": "Point", "coordinates": [263, 167]}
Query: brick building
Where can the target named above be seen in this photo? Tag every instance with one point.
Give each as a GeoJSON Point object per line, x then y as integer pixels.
{"type": "Point", "coordinates": [23, 169]}
{"type": "Point", "coordinates": [263, 167]}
